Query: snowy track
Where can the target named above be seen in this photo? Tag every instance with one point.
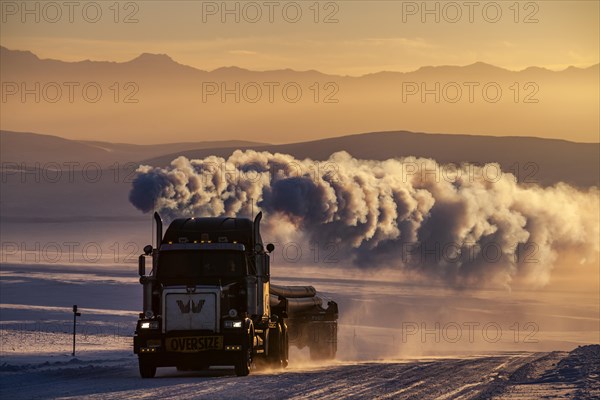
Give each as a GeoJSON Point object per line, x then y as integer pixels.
{"type": "Point", "coordinates": [522, 375]}
{"type": "Point", "coordinates": [374, 360]}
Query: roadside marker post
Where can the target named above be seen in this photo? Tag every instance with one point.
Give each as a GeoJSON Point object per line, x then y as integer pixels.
{"type": "Point", "coordinates": [75, 315]}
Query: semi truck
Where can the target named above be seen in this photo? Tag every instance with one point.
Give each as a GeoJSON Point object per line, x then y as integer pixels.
{"type": "Point", "coordinates": [208, 300]}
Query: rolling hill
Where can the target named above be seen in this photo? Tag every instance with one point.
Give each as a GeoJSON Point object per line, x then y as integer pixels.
{"type": "Point", "coordinates": [31, 148]}
{"type": "Point", "coordinates": [533, 160]}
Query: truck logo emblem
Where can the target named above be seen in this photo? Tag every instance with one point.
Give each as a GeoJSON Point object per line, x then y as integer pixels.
{"type": "Point", "coordinates": [195, 307]}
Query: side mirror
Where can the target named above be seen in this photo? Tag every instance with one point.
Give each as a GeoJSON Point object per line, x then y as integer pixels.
{"type": "Point", "coordinates": [148, 249]}
{"type": "Point", "coordinates": [142, 265]}
{"type": "Point", "coordinates": [270, 247]}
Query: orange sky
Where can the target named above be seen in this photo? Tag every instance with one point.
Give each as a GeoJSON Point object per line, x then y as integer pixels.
{"type": "Point", "coordinates": [349, 37]}
{"type": "Point", "coordinates": [344, 38]}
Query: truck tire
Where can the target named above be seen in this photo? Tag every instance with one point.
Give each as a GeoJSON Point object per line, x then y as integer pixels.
{"type": "Point", "coordinates": [242, 368]}
{"type": "Point", "coordinates": [286, 347]}
{"type": "Point", "coordinates": [147, 369]}
{"type": "Point", "coordinates": [244, 363]}
{"type": "Point", "coordinates": [277, 354]}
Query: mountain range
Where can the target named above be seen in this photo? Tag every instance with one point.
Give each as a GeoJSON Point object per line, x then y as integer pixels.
{"type": "Point", "coordinates": [154, 99]}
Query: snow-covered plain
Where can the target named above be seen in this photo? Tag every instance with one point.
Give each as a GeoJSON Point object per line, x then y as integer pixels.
{"type": "Point", "coordinates": [113, 375]}
{"type": "Point", "coordinates": [381, 355]}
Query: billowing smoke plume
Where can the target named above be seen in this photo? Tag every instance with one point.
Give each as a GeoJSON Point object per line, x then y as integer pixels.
{"type": "Point", "coordinates": [464, 224]}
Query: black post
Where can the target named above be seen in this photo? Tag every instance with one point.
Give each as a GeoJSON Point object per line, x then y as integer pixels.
{"type": "Point", "coordinates": [75, 315]}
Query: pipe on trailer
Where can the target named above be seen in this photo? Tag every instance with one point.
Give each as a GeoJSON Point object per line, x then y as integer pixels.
{"type": "Point", "coordinates": [293, 292]}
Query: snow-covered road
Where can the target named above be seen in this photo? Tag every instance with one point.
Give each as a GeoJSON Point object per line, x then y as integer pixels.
{"type": "Point", "coordinates": [376, 358]}
{"type": "Point", "coordinates": [114, 375]}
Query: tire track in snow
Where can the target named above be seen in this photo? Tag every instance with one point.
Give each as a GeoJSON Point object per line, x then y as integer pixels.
{"type": "Point", "coordinates": [450, 378]}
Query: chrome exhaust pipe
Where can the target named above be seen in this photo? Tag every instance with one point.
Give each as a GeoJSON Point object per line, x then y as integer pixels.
{"type": "Point", "coordinates": [159, 229]}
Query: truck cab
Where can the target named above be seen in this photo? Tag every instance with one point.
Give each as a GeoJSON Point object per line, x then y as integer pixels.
{"type": "Point", "coordinates": [206, 299]}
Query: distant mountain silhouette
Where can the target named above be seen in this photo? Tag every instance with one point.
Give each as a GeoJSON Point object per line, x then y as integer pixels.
{"type": "Point", "coordinates": [177, 102]}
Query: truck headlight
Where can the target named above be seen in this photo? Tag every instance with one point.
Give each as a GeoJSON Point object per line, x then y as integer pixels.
{"type": "Point", "coordinates": [149, 325]}
{"type": "Point", "coordinates": [232, 324]}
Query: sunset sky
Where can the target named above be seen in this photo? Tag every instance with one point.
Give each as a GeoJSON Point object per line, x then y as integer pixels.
{"type": "Point", "coordinates": [347, 38]}
{"type": "Point", "coordinates": [361, 37]}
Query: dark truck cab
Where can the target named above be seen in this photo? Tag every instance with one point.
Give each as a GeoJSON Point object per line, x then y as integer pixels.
{"type": "Point", "coordinates": [207, 301]}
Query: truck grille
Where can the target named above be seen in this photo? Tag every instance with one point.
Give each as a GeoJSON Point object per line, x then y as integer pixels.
{"type": "Point", "coordinates": [191, 311]}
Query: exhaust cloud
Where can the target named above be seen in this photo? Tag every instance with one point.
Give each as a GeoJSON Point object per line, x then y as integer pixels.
{"type": "Point", "coordinates": [467, 225]}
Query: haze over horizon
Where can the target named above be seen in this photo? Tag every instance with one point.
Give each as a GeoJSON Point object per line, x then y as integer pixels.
{"type": "Point", "coordinates": [152, 97]}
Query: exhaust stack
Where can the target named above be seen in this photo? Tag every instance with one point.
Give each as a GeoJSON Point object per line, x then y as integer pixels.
{"type": "Point", "coordinates": [159, 229]}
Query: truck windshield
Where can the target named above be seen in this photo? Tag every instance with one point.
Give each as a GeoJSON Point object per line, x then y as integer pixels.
{"type": "Point", "coordinates": [190, 265]}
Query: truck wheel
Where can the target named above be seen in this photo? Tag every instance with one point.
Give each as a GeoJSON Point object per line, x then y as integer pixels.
{"type": "Point", "coordinates": [279, 359]}
{"type": "Point", "coordinates": [285, 348]}
{"type": "Point", "coordinates": [242, 367]}
{"type": "Point", "coordinates": [147, 369]}
{"type": "Point", "coordinates": [275, 347]}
